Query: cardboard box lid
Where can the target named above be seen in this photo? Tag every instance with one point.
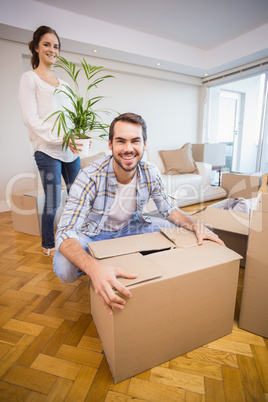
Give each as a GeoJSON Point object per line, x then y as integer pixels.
{"type": "Point", "coordinates": [135, 263]}
{"type": "Point", "coordinates": [168, 262]}
{"type": "Point", "coordinates": [129, 244]}
{"type": "Point", "coordinates": [182, 261]}
{"type": "Point", "coordinates": [180, 236]}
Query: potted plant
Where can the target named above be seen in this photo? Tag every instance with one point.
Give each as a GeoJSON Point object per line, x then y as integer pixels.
{"type": "Point", "coordinates": [81, 119]}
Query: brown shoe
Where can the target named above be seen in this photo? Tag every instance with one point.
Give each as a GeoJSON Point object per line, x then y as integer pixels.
{"type": "Point", "coordinates": [48, 252]}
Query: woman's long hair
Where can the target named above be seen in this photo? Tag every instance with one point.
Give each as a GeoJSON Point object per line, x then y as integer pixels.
{"type": "Point", "coordinates": [33, 45]}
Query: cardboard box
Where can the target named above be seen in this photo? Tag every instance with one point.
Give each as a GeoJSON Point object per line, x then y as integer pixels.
{"type": "Point", "coordinates": [241, 185]}
{"type": "Point", "coordinates": [184, 297]}
{"type": "Point", "coordinates": [254, 305]}
{"type": "Point", "coordinates": [214, 154]}
{"type": "Point", "coordinates": [232, 227]}
{"type": "Point", "coordinates": [26, 211]}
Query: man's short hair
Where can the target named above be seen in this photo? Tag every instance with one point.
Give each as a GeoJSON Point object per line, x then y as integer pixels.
{"type": "Point", "coordinates": [130, 118]}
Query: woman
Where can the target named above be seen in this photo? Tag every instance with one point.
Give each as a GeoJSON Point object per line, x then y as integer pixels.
{"type": "Point", "coordinates": [38, 100]}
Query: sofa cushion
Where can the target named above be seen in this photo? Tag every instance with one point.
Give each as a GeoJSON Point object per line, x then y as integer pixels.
{"type": "Point", "coordinates": [179, 161]}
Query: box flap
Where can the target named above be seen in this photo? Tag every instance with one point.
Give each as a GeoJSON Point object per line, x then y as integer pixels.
{"type": "Point", "coordinates": [129, 244]}
{"type": "Point", "coordinates": [215, 217]}
{"type": "Point", "coordinates": [181, 237]}
{"type": "Point", "coordinates": [181, 261]}
{"type": "Point", "coordinates": [135, 263]}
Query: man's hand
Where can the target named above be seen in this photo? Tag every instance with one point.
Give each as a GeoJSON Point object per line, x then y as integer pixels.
{"type": "Point", "coordinates": [103, 276]}
{"type": "Point", "coordinates": [180, 218]}
{"type": "Point", "coordinates": [203, 233]}
{"type": "Point", "coordinates": [104, 280]}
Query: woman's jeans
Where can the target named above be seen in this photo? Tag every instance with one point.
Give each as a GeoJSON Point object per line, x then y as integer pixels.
{"type": "Point", "coordinates": [68, 272]}
{"type": "Point", "coordinates": [50, 170]}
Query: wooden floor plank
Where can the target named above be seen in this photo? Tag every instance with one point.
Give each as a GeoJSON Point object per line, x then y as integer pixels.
{"type": "Point", "coordinates": [46, 302]}
{"type": "Point", "coordinates": [214, 356]}
{"type": "Point", "coordinates": [189, 382]}
{"type": "Point", "coordinates": [101, 383]}
{"type": "Point", "coordinates": [10, 392]}
{"type": "Point", "coordinates": [60, 390]}
{"type": "Point", "coordinates": [193, 397]}
{"type": "Point", "coordinates": [113, 396]}
{"type": "Point", "coordinates": [81, 356]}
{"type": "Point", "coordinates": [57, 367]}
{"type": "Point", "coordinates": [231, 347]}
{"type": "Point", "coordinates": [10, 337]}
{"type": "Point", "coordinates": [214, 390]}
{"type": "Point", "coordinates": [58, 338]}
{"type": "Point", "coordinates": [185, 364]}
{"type": "Point", "coordinates": [14, 354]}
{"type": "Point", "coordinates": [261, 359]}
{"type": "Point", "coordinates": [155, 392]}
{"type": "Point", "coordinates": [31, 379]}
{"type": "Point", "coordinates": [233, 388]}
{"type": "Point", "coordinates": [88, 342]}
{"type": "Point", "coordinates": [46, 321]}
{"type": "Point", "coordinates": [81, 384]}
{"type": "Point", "coordinates": [23, 327]}
{"type": "Point", "coordinates": [78, 330]}
{"type": "Point", "coordinates": [250, 379]}
{"type": "Point", "coordinates": [36, 347]}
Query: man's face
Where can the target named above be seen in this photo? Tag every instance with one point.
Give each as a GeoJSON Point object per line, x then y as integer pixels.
{"type": "Point", "coordinates": [127, 145]}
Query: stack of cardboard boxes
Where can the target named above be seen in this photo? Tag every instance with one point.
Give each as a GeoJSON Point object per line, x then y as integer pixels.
{"type": "Point", "coordinates": [247, 234]}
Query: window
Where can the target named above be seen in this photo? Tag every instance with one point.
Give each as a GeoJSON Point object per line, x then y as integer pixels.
{"type": "Point", "coordinates": [237, 116]}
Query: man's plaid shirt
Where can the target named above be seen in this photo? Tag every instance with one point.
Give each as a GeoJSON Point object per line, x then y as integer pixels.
{"type": "Point", "coordinates": [93, 193]}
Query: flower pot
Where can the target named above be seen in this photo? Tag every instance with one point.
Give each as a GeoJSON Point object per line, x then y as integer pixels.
{"type": "Point", "coordinates": [84, 147]}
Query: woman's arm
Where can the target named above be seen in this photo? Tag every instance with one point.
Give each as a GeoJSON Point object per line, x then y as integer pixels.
{"type": "Point", "coordinates": [31, 119]}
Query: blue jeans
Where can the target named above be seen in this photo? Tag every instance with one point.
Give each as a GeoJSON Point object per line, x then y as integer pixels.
{"type": "Point", "coordinates": [50, 171]}
{"type": "Point", "coordinates": [68, 272]}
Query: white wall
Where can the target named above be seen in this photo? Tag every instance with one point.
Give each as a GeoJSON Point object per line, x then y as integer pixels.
{"type": "Point", "coordinates": [168, 102]}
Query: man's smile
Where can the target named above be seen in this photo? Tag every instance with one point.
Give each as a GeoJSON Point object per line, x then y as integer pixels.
{"type": "Point", "coordinates": [128, 157]}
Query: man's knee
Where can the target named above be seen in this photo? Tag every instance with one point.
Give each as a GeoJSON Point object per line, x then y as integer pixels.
{"type": "Point", "coordinates": [64, 269]}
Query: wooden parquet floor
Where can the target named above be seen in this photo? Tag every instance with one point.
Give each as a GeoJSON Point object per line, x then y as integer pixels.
{"type": "Point", "coordinates": [50, 350]}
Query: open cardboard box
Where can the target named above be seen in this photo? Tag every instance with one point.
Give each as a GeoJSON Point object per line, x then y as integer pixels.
{"type": "Point", "coordinates": [254, 305]}
{"type": "Point", "coordinates": [26, 211]}
{"type": "Point", "coordinates": [231, 226]}
{"type": "Point", "coordinates": [183, 297]}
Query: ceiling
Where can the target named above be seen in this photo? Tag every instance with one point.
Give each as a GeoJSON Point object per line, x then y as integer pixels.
{"type": "Point", "coordinates": [192, 37]}
{"type": "Point", "coordinates": [203, 24]}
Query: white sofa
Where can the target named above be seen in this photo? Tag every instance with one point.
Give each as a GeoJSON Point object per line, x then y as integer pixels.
{"type": "Point", "coordinates": [186, 189]}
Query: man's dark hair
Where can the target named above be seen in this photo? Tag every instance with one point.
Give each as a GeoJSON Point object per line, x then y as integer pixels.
{"type": "Point", "coordinates": [33, 45]}
{"type": "Point", "coordinates": [130, 118]}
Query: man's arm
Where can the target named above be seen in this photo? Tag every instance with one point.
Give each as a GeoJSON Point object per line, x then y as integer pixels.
{"type": "Point", "coordinates": [103, 276]}
{"type": "Point", "coordinates": [180, 218]}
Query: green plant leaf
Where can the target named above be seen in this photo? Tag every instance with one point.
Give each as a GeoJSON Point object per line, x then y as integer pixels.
{"type": "Point", "coordinates": [83, 117]}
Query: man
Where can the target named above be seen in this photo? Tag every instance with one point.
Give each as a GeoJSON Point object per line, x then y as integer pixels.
{"type": "Point", "coordinates": [106, 201]}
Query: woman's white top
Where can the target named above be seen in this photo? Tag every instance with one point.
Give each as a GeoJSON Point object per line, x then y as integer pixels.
{"type": "Point", "coordinates": [38, 100]}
